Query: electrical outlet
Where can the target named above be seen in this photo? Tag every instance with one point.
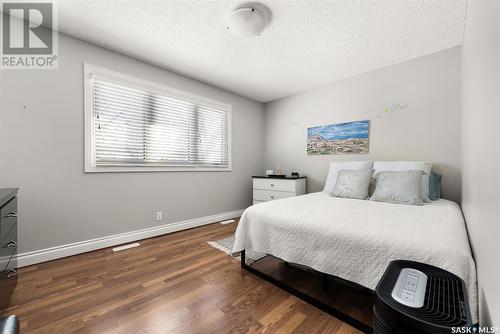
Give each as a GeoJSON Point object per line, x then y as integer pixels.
{"type": "Point", "coordinates": [159, 215]}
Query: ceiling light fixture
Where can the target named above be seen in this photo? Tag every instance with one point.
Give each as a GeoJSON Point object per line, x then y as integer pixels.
{"type": "Point", "coordinates": [248, 21]}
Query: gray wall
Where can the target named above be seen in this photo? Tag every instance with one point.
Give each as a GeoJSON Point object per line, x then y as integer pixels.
{"type": "Point", "coordinates": [42, 153]}
{"type": "Point", "coordinates": [428, 129]}
{"type": "Point", "coordinates": [480, 152]}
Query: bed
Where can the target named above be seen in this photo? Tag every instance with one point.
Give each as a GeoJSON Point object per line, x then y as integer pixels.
{"type": "Point", "coordinates": [356, 239]}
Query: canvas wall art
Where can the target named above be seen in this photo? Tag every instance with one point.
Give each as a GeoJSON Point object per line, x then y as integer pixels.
{"type": "Point", "coordinates": [341, 138]}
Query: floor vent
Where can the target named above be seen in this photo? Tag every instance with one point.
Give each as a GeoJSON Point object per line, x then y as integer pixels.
{"type": "Point", "coordinates": [120, 248]}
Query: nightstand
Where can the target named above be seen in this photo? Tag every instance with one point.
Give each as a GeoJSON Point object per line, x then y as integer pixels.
{"type": "Point", "coordinates": [269, 189]}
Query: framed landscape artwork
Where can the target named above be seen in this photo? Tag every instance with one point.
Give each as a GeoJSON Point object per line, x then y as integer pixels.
{"type": "Point", "coordinates": [341, 138]}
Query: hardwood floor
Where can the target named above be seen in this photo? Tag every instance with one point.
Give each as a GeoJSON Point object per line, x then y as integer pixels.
{"type": "Point", "coordinates": [175, 283]}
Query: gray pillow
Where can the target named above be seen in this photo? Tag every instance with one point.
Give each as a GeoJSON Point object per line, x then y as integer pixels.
{"type": "Point", "coordinates": [404, 187]}
{"type": "Point", "coordinates": [353, 183]}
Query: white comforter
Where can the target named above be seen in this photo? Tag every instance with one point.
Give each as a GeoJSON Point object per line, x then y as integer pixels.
{"type": "Point", "coordinates": [356, 240]}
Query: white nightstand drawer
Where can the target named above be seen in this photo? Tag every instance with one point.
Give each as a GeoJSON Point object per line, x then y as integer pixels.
{"type": "Point", "coordinates": [269, 195]}
{"type": "Point", "coordinates": [269, 189]}
{"type": "Point", "coordinates": [275, 184]}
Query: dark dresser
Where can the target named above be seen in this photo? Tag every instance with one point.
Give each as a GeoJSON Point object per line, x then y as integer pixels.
{"type": "Point", "coordinates": [8, 244]}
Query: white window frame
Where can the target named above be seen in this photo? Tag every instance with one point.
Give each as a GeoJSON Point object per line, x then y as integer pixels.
{"type": "Point", "coordinates": [91, 71]}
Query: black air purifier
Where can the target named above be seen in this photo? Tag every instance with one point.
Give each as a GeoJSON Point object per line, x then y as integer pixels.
{"type": "Point", "coordinates": [414, 297]}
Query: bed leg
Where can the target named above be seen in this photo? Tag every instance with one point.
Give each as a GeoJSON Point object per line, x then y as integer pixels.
{"type": "Point", "coordinates": [242, 257]}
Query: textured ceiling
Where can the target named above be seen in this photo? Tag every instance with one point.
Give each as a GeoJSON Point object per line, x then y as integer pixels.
{"type": "Point", "coordinates": [307, 44]}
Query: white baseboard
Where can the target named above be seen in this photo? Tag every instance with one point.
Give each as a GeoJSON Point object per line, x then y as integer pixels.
{"type": "Point", "coordinates": [52, 253]}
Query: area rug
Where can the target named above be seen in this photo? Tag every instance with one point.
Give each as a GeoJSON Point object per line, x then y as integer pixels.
{"type": "Point", "coordinates": [226, 245]}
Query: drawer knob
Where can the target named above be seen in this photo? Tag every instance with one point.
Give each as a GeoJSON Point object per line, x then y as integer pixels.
{"type": "Point", "coordinates": [11, 214]}
{"type": "Point", "coordinates": [11, 244]}
{"type": "Point", "coordinates": [272, 184]}
{"type": "Point", "coordinates": [272, 197]}
{"type": "Point", "coordinates": [11, 272]}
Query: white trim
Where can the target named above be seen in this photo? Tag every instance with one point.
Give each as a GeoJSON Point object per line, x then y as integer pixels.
{"type": "Point", "coordinates": [52, 253]}
{"type": "Point", "coordinates": [134, 169]}
{"type": "Point", "coordinates": [91, 71]}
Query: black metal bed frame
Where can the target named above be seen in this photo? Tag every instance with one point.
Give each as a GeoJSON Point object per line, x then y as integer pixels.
{"type": "Point", "coordinates": [309, 299]}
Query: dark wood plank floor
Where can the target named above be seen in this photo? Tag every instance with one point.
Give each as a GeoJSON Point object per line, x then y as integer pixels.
{"type": "Point", "coordinates": [175, 283]}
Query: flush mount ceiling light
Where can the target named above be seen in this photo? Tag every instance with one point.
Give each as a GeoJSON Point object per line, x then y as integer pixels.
{"type": "Point", "coordinates": [248, 20]}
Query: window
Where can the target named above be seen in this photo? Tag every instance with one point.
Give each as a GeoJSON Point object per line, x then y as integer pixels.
{"type": "Point", "coordinates": [134, 125]}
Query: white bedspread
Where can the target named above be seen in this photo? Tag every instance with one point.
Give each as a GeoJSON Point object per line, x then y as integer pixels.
{"type": "Point", "coordinates": [356, 240]}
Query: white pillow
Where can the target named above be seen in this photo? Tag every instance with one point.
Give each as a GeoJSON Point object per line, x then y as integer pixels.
{"type": "Point", "coordinates": [335, 167]}
{"type": "Point", "coordinates": [397, 166]}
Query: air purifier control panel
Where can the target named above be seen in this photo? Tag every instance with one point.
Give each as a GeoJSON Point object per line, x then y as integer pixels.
{"type": "Point", "coordinates": [410, 288]}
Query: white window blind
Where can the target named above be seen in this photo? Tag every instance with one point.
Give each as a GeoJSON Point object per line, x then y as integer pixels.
{"type": "Point", "coordinates": [139, 127]}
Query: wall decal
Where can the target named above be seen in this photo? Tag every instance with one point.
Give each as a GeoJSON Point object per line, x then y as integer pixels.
{"type": "Point", "coordinates": [395, 107]}
{"type": "Point", "coordinates": [342, 138]}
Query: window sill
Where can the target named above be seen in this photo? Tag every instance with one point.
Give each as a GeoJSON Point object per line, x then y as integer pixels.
{"type": "Point", "coordinates": [145, 169]}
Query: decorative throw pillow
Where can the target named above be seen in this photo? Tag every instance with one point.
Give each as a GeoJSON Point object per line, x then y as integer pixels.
{"type": "Point", "coordinates": [434, 186]}
{"type": "Point", "coordinates": [335, 167]}
{"type": "Point", "coordinates": [353, 183]}
{"type": "Point", "coordinates": [397, 166]}
{"type": "Point", "coordinates": [404, 187]}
